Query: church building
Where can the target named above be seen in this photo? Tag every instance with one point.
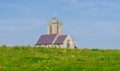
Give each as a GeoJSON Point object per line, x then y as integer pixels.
{"type": "Point", "coordinates": [55, 38]}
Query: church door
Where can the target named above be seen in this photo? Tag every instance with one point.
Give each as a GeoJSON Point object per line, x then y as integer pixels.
{"type": "Point", "coordinates": [68, 44]}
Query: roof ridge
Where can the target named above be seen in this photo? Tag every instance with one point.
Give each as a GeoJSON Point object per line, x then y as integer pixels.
{"type": "Point", "coordinates": [50, 34]}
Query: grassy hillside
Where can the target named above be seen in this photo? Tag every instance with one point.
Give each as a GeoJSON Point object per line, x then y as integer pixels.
{"type": "Point", "coordinates": [51, 59]}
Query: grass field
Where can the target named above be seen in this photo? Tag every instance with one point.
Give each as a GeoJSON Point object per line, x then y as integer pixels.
{"type": "Point", "coordinates": [26, 58]}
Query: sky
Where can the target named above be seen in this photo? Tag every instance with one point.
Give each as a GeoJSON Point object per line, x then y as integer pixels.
{"type": "Point", "coordinates": [92, 23]}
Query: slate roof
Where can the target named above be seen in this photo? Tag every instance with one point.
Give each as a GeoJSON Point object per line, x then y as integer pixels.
{"type": "Point", "coordinates": [60, 39]}
{"type": "Point", "coordinates": [49, 38]}
{"type": "Point", "coordinates": [46, 39]}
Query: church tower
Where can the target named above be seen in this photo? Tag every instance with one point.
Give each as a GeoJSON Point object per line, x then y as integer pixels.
{"type": "Point", "coordinates": [55, 26]}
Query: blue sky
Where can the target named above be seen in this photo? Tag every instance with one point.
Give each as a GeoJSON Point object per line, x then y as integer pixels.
{"type": "Point", "coordinates": [93, 23]}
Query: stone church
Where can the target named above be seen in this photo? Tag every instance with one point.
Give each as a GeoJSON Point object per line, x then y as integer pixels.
{"type": "Point", "coordinates": [55, 38]}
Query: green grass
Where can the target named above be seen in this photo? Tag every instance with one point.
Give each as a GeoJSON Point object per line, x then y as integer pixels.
{"type": "Point", "coordinates": [26, 58]}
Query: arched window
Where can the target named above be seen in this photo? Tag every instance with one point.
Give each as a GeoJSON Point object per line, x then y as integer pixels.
{"type": "Point", "coordinates": [68, 44]}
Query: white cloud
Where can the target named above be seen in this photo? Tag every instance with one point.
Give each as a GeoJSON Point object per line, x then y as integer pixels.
{"type": "Point", "coordinates": [78, 4]}
{"type": "Point", "coordinates": [68, 1]}
{"type": "Point", "coordinates": [19, 7]}
{"type": "Point", "coordinates": [13, 5]}
{"type": "Point", "coordinates": [19, 20]}
{"type": "Point", "coordinates": [107, 29]}
{"type": "Point", "coordinates": [94, 29]}
{"type": "Point", "coordinates": [19, 25]}
{"type": "Point", "coordinates": [110, 4]}
{"type": "Point", "coordinates": [111, 28]}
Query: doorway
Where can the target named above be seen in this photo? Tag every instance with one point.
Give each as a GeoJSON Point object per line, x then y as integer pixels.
{"type": "Point", "coordinates": [68, 44]}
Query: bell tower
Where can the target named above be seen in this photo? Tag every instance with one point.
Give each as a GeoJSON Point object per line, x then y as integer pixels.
{"type": "Point", "coordinates": [55, 26]}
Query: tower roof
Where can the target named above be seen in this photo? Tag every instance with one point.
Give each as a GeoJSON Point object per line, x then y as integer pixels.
{"type": "Point", "coordinates": [55, 18]}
